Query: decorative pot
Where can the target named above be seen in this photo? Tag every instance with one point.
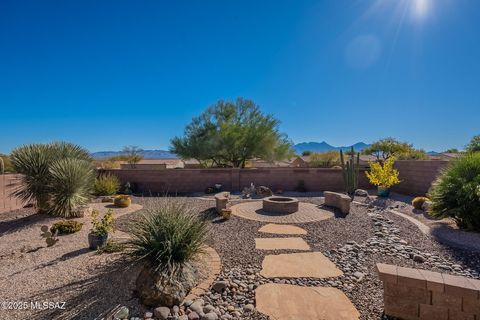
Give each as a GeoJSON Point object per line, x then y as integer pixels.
{"type": "Point", "coordinates": [95, 241]}
{"type": "Point", "coordinates": [383, 192]}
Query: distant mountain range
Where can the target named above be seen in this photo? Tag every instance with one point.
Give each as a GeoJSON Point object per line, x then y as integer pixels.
{"type": "Point", "coordinates": [324, 147]}
{"type": "Point", "coordinates": [147, 154]}
{"type": "Point", "coordinates": [299, 148]}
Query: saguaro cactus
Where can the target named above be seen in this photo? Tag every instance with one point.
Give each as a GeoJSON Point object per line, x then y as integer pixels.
{"type": "Point", "coordinates": [350, 171]}
{"type": "Point", "coordinates": [2, 166]}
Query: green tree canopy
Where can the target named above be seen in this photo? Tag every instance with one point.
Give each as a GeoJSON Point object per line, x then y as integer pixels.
{"type": "Point", "coordinates": [451, 150]}
{"type": "Point", "coordinates": [388, 147]}
{"type": "Point", "coordinates": [229, 133]}
{"type": "Point", "coordinates": [132, 154]}
{"type": "Point", "coordinates": [474, 144]}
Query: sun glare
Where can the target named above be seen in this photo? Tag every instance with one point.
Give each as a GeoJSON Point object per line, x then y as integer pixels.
{"type": "Point", "coordinates": [420, 7]}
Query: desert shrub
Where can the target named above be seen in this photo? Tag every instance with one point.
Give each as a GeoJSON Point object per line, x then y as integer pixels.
{"type": "Point", "coordinates": [111, 247]}
{"type": "Point", "coordinates": [66, 227]}
{"type": "Point", "coordinates": [106, 185]}
{"type": "Point", "coordinates": [57, 176]}
{"type": "Point", "coordinates": [418, 202]}
{"type": "Point", "coordinates": [383, 175]}
{"type": "Point", "coordinates": [101, 227]}
{"type": "Point", "coordinates": [168, 236]}
{"type": "Point", "coordinates": [301, 186]}
{"type": "Point", "coordinates": [324, 159]}
{"type": "Point", "coordinates": [456, 192]}
{"type": "Point", "coordinates": [129, 187]}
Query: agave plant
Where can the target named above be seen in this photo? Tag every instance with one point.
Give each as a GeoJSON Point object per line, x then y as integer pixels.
{"type": "Point", "coordinates": [56, 176]}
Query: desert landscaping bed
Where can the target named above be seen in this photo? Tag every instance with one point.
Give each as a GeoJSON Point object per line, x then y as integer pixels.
{"type": "Point", "coordinates": [91, 283]}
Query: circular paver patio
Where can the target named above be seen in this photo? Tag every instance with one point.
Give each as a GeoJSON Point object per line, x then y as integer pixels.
{"type": "Point", "coordinates": [307, 212]}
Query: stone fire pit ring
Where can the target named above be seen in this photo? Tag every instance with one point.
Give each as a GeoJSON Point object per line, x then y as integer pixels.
{"type": "Point", "coordinates": [280, 205]}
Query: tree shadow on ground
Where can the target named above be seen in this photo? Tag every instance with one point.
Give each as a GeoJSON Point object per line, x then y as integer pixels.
{"type": "Point", "coordinates": [94, 296]}
{"type": "Point", "coordinates": [64, 257]}
{"type": "Point", "coordinates": [11, 226]}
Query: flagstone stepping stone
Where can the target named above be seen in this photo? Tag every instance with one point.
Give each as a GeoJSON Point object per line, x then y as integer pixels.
{"type": "Point", "coordinates": [281, 229]}
{"type": "Point", "coordinates": [281, 244]}
{"type": "Point", "coordinates": [299, 265]}
{"type": "Point", "coordinates": [287, 302]}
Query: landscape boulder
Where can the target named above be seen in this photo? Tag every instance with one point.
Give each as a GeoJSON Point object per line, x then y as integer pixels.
{"type": "Point", "coordinates": [338, 200]}
{"type": "Point", "coordinates": [155, 289]}
{"type": "Point", "coordinates": [263, 192]}
{"type": "Point", "coordinates": [361, 193]}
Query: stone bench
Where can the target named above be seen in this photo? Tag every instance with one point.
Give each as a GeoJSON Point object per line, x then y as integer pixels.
{"type": "Point", "coordinates": [221, 201]}
{"type": "Point", "coordinates": [421, 294]}
{"type": "Point", "coordinates": [338, 200]}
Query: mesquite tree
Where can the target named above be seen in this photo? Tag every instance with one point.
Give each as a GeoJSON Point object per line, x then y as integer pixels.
{"type": "Point", "coordinates": [229, 133]}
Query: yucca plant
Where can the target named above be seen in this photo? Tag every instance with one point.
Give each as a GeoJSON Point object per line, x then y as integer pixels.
{"type": "Point", "coordinates": [71, 180]}
{"type": "Point", "coordinates": [168, 236]}
{"type": "Point", "coordinates": [456, 192]}
{"type": "Point", "coordinates": [57, 176]}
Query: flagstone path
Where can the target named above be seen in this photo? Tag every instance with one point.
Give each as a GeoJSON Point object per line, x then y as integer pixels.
{"type": "Point", "coordinates": [288, 302]}
{"type": "Point", "coordinates": [281, 229]}
{"type": "Point", "coordinates": [281, 244]}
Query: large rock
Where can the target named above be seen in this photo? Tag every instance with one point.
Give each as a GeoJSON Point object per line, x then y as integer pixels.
{"type": "Point", "coordinates": [263, 191]}
{"type": "Point", "coordinates": [338, 200]}
{"type": "Point", "coordinates": [361, 193]}
{"type": "Point", "coordinates": [162, 313]}
{"type": "Point", "coordinates": [220, 286]}
{"type": "Point", "coordinates": [155, 289]}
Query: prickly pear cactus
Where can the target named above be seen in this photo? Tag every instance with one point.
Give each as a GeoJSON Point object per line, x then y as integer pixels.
{"type": "Point", "coordinates": [50, 238]}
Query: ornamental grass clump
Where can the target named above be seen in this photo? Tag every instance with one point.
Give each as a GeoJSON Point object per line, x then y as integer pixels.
{"type": "Point", "coordinates": [456, 192]}
{"type": "Point", "coordinates": [106, 185]}
{"type": "Point", "coordinates": [168, 236]}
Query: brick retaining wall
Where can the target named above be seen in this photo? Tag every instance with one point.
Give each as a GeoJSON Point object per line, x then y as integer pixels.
{"type": "Point", "coordinates": [421, 294]}
{"type": "Point", "coordinates": [197, 180]}
{"type": "Point", "coordinates": [416, 177]}
{"type": "Point", "coordinates": [7, 186]}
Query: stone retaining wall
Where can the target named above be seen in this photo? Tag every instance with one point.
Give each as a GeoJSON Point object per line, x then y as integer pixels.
{"type": "Point", "coordinates": [421, 294]}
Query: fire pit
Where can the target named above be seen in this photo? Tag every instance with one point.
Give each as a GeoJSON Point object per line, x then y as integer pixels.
{"type": "Point", "coordinates": [280, 205]}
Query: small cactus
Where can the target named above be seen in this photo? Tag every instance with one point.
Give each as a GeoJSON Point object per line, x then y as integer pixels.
{"type": "Point", "coordinates": [350, 169]}
{"type": "Point", "coordinates": [50, 238]}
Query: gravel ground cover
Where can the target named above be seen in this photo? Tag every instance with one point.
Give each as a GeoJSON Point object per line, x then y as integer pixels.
{"type": "Point", "coordinates": [91, 282]}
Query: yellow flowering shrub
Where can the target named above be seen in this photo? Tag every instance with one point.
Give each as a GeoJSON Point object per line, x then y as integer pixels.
{"type": "Point", "coordinates": [383, 175]}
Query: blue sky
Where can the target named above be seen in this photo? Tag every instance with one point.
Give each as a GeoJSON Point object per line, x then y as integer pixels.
{"type": "Point", "coordinates": [105, 74]}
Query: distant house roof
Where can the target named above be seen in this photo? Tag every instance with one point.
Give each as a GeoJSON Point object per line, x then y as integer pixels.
{"type": "Point", "coordinates": [445, 156]}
